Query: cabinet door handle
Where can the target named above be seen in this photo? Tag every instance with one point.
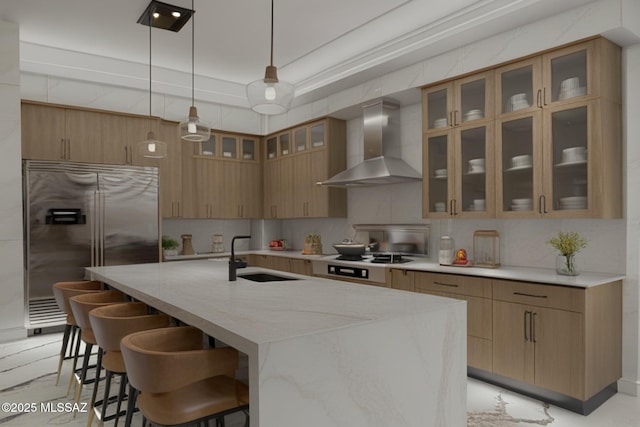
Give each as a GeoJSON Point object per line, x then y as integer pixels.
{"type": "Point", "coordinates": [455, 117]}
{"type": "Point", "coordinates": [444, 284]}
{"type": "Point", "coordinates": [544, 96]}
{"type": "Point", "coordinates": [62, 148]}
{"type": "Point", "coordinates": [542, 204]}
{"type": "Point", "coordinates": [455, 207]}
{"type": "Point", "coordinates": [533, 328]}
{"type": "Point", "coordinates": [526, 313]}
{"type": "Point", "coordinates": [451, 118]}
{"type": "Point", "coordinates": [539, 98]}
{"type": "Point", "coordinates": [529, 295]}
{"type": "Point", "coordinates": [126, 155]}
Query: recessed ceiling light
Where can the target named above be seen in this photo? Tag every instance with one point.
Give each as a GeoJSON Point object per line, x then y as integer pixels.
{"type": "Point", "coordinates": [165, 16]}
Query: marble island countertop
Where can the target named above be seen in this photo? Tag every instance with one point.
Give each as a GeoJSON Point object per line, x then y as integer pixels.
{"type": "Point", "coordinates": [321, 352]}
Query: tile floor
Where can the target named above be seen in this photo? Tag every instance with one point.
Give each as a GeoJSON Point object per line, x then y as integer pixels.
{"type": "Point", "coordinates": [27, 374]}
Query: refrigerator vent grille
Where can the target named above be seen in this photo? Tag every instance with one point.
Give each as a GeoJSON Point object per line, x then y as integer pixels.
{"type": "Point", "coordinates": [44, 312]}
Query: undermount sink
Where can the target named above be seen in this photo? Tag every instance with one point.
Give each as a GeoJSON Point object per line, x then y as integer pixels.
{"type": "Point", "coordinates": [265, 277]}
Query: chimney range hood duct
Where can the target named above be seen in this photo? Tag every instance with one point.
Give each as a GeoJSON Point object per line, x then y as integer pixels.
{"type": "Point", "coordinates": [382, 164]}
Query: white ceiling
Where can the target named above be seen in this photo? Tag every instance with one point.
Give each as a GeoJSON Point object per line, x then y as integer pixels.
{"type": "Point", "coordinates": [318, 44]}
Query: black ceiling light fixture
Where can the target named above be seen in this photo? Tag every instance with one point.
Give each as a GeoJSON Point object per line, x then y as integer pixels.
{"type": "Point", "coordinates": [165, 16]}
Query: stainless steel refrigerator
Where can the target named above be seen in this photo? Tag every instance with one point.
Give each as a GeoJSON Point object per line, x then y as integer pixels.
{"type": "Point", "coordinates": [78, 215]}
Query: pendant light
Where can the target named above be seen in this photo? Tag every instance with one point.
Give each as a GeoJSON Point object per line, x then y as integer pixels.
{"type": "Point", "coordinates": [193, 129]}
{"type": "Point", "coordinates": [270, 95]}
{"type": "Point", "coordinates": [151, 147]}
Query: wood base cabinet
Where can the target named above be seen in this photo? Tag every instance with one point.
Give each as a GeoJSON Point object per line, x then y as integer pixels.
{"type": "Point", "coordinates": [281, 263]}
{"type": "Point", "coordinates": [477, 293]}
{"type": "Point", "coordinates": [563, 339]}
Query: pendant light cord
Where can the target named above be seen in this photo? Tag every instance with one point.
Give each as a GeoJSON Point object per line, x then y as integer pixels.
{"type": "Point", "coordinates": [150, 126]}
{"type": "Point", "coordinates": [193, 30]}
{"type": "Point", "coordinates": [271, 60]}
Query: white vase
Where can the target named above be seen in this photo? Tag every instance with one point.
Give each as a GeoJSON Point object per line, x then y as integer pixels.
{"type": "Point", "coordinates": [566, 265]}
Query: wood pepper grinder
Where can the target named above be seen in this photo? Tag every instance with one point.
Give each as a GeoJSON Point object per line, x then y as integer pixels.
{"type": "Point", "coordinates": [187, 247]}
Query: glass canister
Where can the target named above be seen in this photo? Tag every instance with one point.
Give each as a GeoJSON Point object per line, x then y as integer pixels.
{"type": "Point", "coordinates": [447, 252]}
{"type": "Point", "coordinates": [217, 244]}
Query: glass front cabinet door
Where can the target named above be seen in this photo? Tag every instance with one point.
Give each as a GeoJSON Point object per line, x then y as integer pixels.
{"type": "Point", "coordinates": [459, 178]}
{"type": "Point", "coordinates": [519, 165]}
{"type": "Point", "coordinates": [569, 139]}
{"type": "Point", "coordinates": [437, 186]}
{"type": "Point", "coordinates": [474, 180]}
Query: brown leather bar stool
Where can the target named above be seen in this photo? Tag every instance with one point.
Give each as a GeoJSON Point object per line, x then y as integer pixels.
{"type": "Point", "coordinates": [110, 324]}
{"type": "Point", "coordinates": [62, 291]}
{"type": "Point", "coordinates": [179, 381]}
{"type": "Point", "coordinates": [81, 305]}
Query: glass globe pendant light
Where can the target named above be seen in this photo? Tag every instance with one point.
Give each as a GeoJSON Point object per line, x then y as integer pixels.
{"type": "Point", "coordinates": [193, 129]}
{"type": "Point", "coordinates": [151, 147]}
{"type": "Point", "coordinates": [270, 95]}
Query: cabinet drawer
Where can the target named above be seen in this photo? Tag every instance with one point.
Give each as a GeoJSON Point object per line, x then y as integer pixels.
{"type": "Point", "coordinates": [560, 297]}
{"type": "Point", "coordinates": [453, 283]}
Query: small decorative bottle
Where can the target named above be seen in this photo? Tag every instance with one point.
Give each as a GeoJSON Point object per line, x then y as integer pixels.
{"type": "Point", "coordinates": [187, 247]}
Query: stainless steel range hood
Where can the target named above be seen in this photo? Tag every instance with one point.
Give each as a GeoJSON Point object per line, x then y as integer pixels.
{"type": "Point", "coordinates": [382, 164]}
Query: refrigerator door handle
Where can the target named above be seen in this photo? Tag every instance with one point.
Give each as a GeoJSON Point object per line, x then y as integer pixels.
{"type": "Point", "coordinates": [101, 215]}
{"type": "Point", "coordinates": [92, 226]}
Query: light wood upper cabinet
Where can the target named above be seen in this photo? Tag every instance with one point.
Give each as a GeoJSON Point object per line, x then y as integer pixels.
{"type": "Point", "coordinates": [242, 190]}
{"type": "Point", "coordinates": [294, 161]}
{"type": "Point", "coordinates": [556, 140]}
{"type": "Point", "coordinates": [56, 133]}
{"type": "Point", "coordinates": [171, 171]}
{"type": "Point", "coordinates": [121, 136]}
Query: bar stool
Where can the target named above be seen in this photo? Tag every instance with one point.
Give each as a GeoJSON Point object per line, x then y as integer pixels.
{"type": "Point", "coordinates": [110, 324]}
{"type": "Point", "coordinates": [62, 291]}
{"type": "Point", "coordinates": [178, 381]}
{"type": "Point", "coordinates": [81, 305]}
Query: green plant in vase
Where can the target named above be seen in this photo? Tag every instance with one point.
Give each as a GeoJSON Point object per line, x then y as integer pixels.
{"type": "Point", "coordinates": [170, 246]}
{"type": "Point", "coordinates": [568, 244]}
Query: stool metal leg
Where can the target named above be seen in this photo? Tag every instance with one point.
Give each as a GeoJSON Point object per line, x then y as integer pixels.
{"type": "Point", "coordinates": [121, 391]}
{"type": "Point", "coordinates": [131, 404]}
{"type": "Point", "coordinates": [63, 350]}
{"type": "Point", "coordinates": [75, 360]}
{"type": "Point", "coordinates": [95, 387]}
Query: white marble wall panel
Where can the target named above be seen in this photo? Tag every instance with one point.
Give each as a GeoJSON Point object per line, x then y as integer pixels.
{"type": "Point", "coordinates": [348, 371]}
{"type": "Point", "coordinates": [560, 29]}
{"type": "Point", "coordinates": [33, 87]}
{"type": "Point", "coordinates": [12, 290]}
{"type": "Point", "coordinates": [10, 170]}
{"type": "Point", "coordinates": [406, 78]}
{"type": "Point", "coordinates": [236, 119]}
{"type": "Point", "coordinates": [631, 292]}
{"type": "Point", "coordinates": [202, 231]}
{"type": "Point", "coordinates": [331, 230]}
{"type": "Point", "coordinates": [411, 135]}
{"type": "Point", "coordinates": [11, 246]}
{"type": "Point", "coordinates": [10, 54]}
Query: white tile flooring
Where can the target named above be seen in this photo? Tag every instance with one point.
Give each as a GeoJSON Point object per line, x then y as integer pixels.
{"type": "Point", "coordinates": [27, 374]}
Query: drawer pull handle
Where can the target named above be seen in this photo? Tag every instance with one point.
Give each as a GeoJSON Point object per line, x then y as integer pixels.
{"type": "Point", "coordinates": [445, 284]}
{"type": "Point", "coordinates": [526, 313]}
{"type": "Point", "coordinates": [529, 295]}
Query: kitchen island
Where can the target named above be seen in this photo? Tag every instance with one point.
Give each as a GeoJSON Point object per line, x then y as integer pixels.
{"type": "Point", "coordinates": [321, 352]}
